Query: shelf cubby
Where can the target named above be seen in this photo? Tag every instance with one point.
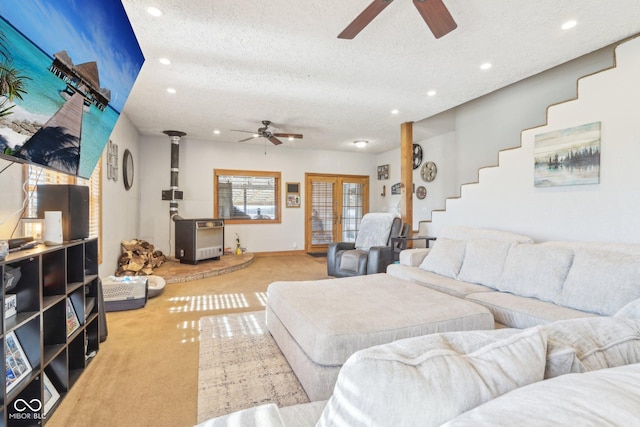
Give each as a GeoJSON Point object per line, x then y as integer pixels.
{"type": "Point", "coordinates": [48, 277]}
{"type": "Point", "coordinates": [54, 331]}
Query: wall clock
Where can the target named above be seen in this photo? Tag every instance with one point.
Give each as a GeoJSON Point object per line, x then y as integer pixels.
{"type": "Point", "coordinates": [127, 169]}
{"type": "Point", "coordinates": [429, 171]}
{"type": "Point", "coordinates": [417, 156]}
{"type": "Point", "coordinates": [421, 192]}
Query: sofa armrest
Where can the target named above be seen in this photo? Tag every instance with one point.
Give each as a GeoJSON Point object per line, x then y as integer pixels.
{"type": "Point", "coordinates": [379, 258]}
{"type": "Point", "coordinates": [332, 251]}
{"type": "Point", "coordinates": [413, 257]}
{"type": "Point", "coordinates": [267, 415]}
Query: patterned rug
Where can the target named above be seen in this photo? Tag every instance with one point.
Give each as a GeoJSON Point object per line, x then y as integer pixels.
{"type": "Point", "coordinates": [241, 366]}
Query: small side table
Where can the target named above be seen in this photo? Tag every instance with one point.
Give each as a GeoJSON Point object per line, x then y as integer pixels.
{"type": "Point", "coordinates": [400, 243]}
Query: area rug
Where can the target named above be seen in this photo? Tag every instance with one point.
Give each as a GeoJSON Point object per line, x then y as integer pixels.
{"type": "Point", "coordinates": [241, 366]}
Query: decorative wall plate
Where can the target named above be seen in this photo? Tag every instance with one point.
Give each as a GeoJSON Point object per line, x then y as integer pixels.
{"type": "Point", "coordinates": [429, 171]}
{"type": "Point", "coordinates": [421, 192]}
{"type": "Point", "coordinates": [417, 156]}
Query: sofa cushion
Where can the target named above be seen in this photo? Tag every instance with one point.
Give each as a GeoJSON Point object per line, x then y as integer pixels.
{"type": "Point", "coordinates": [484, 261]}
{"type": "Point", "coordinates": [607, 397]}
{"type": "Point", "coordinates": [469, 233]}
{"type": "Point", "coordinates": [589, 344]}
{"type": "Point", "coordinates": [536, 271]}
{"type": "Point", "coordinates": [523, 312]}
{"type": "Point", "coordinates": [257, 416]}
{"type": "Point", "coordinates": [362, 311]}
{"type": "Point", "coordinates": [426, 381]}
{"type": "Point", "coordinates": [601, 281]}
{"type": "Point", "coordinates": [445, 258]}
{"type": "Point", "coordinates": [450, 286]}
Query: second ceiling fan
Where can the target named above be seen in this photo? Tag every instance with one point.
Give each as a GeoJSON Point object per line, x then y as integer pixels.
{"type": "Point", "coordinates": [434, 13]}
{"type": "Point", "coordinates": [264, 132]}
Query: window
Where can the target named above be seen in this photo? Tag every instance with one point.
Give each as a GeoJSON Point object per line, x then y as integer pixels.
{"type": "Point", "coordinates": [34, 175]}
{"type": "Point", "coordinates": [246, 196]}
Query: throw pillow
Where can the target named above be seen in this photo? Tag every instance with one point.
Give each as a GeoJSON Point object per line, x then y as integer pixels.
{"type": "Point", "coordinates": [399, 384]}
{"type": "Point", "coordinates": [601, 281]}
{"type": "Point", "coordinates": [536, 271]}
{"type": "Point", "coordinates": [592, 343]}
{"type": "Point", "coordinates": [445, 258]}
{"type": "Point", "coordinates": [484, 261]}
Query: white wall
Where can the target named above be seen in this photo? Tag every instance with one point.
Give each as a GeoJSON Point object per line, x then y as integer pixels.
{"type": "Point", "coordinates": [506, 199]}
{"type": "Point", "coordinates": [119, 206]}
{"type": "Point", "coordinates": [199, 158]}
{"type": "Point", "coordinates": [467, 138]}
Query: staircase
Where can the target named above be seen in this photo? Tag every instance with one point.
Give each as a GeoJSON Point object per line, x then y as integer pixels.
{"type": "Point", "coordinates": [504, 197]}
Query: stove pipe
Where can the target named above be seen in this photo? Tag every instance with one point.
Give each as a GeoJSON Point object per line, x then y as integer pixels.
{"type": "Point", "coordinates": [175, 160]}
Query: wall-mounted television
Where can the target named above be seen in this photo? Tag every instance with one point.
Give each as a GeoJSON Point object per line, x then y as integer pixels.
{"type": "Point", "coordinates": [66, 70]}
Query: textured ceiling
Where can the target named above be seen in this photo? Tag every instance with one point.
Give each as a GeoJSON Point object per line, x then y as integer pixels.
{"type": "Point", "coordinates": [237, 62]}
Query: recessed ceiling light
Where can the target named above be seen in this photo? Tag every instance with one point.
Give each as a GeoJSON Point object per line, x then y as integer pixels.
{"type": "Point", "coordinates": [154, 11]}
{"type": "Point", "coordinates": [255, 135]}
{"type": "Point", "coordinates": [431, 93]}
{"type": "Point", "coordinates": [485, 66]}
{"type": "Point", "coordinates": [171, 90]}
{"type": "Point", "coordinates": [361, 143]}
{"type": "Point", "coordinates": [569, 25]}
{"type": "Point", "coordinates": [216, 132]}
{"type": "Point", "coordinates": [290, 138]}
{"type": "Point", "coordinates": [164, 61]}
{"type": "Point", "coordinates": [395, 111]}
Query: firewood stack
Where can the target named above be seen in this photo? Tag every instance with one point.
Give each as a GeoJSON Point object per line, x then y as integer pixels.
{"type": "Point", "coordinates": [138, 258]}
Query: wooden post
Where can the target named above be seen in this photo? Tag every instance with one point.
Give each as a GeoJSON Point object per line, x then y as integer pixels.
{"type": "Point", "coordinates": [406, 172]}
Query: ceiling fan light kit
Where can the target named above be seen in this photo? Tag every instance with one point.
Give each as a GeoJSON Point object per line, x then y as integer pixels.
{"type": "Point", "coordinates": [264, 132]}
{"type": "Point", "coordinates": [434, 13]}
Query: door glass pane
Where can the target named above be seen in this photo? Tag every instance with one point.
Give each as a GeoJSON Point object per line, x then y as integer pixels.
{"type": "Point", "coordinates": [352, 210]}
{"type": "Point", "coordinates": [321, 212]}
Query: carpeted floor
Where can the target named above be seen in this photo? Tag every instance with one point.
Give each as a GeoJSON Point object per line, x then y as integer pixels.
{"type": "Point", "coordinates": [146, 372]}
{"type": "Point", "coordinates": [241, 366]}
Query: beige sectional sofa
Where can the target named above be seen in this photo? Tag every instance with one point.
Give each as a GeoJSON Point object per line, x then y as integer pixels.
{"type": "Point", "coordinates": [523, 283]}
{"type": "Point", "coordinates": [570, 372]}
{"type": "Point", "coordinates": [568, 339]}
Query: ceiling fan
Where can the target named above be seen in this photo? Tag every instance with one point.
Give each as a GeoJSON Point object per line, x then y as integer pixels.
{"type": "Point", "coordinates": [434, 13]}
{"type": "Point", "coordinates": [264, 132]}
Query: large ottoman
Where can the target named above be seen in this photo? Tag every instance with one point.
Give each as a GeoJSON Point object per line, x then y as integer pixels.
{"type": "Point", "coordinates": [319, 324]}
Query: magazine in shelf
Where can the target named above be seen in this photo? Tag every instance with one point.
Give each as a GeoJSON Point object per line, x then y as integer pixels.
{"type": "Point", "coordinates": [17, 364]}
{"type": "Point", "coordinates": [51, 395]}
{"type": "Point", "coordinates": [72, 319]}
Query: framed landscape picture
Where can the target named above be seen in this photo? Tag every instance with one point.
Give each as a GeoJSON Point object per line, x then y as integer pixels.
{"type": "Point", "coordinates": [568, 156]}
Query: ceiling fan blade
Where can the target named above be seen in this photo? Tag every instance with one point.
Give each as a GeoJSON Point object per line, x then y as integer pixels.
{"type": "Point", "coordinates": [274, 140]}
{"type": "Point", "coordinates": [247, 139]}
{"type": "Point", "coordinates": [437, 16]}
{"type": "Point", "coordinates": [238, 130]}
{"type": "Point", "coordinates": [289, 135]}
{"type": "Point", "coordinates": [364, 19]}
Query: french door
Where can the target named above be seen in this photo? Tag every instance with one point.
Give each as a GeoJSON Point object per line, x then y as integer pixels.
{"type": "Point", "coordinates": [334, 206]}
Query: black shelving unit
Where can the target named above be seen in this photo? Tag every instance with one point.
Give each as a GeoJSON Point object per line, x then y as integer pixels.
{"type": "Point", "coordinates": [50, 277]}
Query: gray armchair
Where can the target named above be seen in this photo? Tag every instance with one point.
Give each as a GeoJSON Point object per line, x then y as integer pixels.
{"type": "Point", "coordinates": [371, 252]}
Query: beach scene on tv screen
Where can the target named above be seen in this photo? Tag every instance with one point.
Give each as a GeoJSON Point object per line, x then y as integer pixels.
{"type": "Point", "coordinates": [66, 70]}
